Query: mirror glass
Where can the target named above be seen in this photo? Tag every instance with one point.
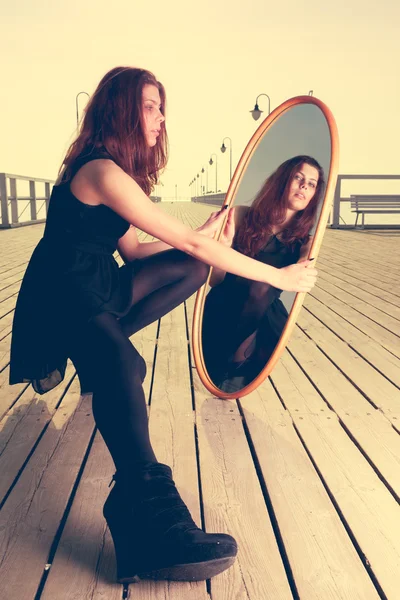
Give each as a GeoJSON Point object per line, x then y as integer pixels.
{"type": "Point", "coordinates": [243, 320]}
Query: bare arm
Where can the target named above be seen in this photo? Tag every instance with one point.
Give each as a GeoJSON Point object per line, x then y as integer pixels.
{"type": "Point", "coordinates": [130, 248]}
{"type": "Point", "coordinates": [110, 185]}
{"type": "Point", "coordinates": [218, 275]}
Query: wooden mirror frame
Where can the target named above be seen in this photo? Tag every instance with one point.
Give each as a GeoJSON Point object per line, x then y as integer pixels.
{"type": "Point", "coordinates": [320, 230]}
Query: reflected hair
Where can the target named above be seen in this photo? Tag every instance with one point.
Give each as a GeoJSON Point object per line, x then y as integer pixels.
{"type": "Point", "coordinates": [113, 121]}
{"type": "Point", "coordinates": [270, 206]}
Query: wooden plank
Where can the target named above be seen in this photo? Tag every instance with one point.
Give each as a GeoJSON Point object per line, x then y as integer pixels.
{"type": "Point", "coordinates": [374, 353]}
{"type": "Point", "coordinates": [11, 276]}
{"type": "Point", "coordinates": [378, 333]}
{"type": "Point", "coordinates": [5, 324]}
{"type": "Point", "coordinates": [9, 291]}
{"type": "Point", "coordinates": [366, 297]}
{"type": "Point", "coordinates": [368, 427]}
{"type": "Point", "coordinates": [376, 388]}
{"type": "Point", "coordinates": [33, 511]}
{"type": "Point", "coordinates": [346, 275]}
{"type": "Point", "coordinates": [84, 564]}
{"type": "Point", "coordinates": [5, 351]}
{"type": "Point", "coordinates": [369, 510]}
{"type": "Point", "coordinates": [233, 502]}
{"type": "Point", "coordinates": [23, 425]}
{"type": "Point", "coordinates": [322, 557]}
{"type": "Point", "coordinates": [12, 265]}
{"type": "Point", "coordinates": [361, 247]}
{"type": "Point", "coordinates": [8, 393]}
{"type": "Point", "coordinates": [361, 268]}
{"type": "Point", "coordinates": [367, 310]}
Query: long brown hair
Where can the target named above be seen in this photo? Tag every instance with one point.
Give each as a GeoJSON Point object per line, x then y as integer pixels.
{"type": "Point", "coordinates": [113, 121]}
{"type": "Point", "coordinates": [269, 209]}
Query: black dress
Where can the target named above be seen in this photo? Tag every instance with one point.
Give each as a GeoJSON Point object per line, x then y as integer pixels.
{"type": "Point", "coordinates": [71, 277]}
{"type": "Point", "coordinates": [223, 308]}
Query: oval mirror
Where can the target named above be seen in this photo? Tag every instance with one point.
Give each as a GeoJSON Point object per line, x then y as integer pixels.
{"type": "Point", "coordinates": [241, 327]}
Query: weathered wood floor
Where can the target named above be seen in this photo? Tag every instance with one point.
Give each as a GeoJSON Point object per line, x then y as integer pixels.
{"type": "Point", "coordinates": [305, 472]}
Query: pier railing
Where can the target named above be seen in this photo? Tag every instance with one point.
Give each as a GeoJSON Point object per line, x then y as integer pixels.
{"type": "Point", "coordinates": [14, 206]}
{"type": "Point", "coordinates": [215, 199]}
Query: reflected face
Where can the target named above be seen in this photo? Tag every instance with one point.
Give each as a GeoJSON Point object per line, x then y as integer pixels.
{"type": "Point", "coordinates": [303, 187]}
{"type": "Point", "coordinates": [152, 113]}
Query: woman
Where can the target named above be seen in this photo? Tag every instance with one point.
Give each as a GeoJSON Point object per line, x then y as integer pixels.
{"type": "Point", "coordinates": [244, 319]}
{"type": "Point", "coordinates": [75, 302]}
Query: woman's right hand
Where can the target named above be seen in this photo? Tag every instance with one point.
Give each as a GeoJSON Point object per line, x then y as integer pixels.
{"type": "Point", "coordinates": [299, 277]}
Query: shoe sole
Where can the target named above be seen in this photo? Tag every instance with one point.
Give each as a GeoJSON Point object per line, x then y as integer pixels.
{"type": "Point", "coordinates": [191, 572]}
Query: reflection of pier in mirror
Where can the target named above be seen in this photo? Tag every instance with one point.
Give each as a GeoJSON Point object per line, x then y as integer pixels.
{"type": "Point", "coordinates": [243, 320]}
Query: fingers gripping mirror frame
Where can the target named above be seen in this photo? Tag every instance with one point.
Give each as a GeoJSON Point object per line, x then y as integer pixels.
{"type": "Point", "coordinates": [323, 219]}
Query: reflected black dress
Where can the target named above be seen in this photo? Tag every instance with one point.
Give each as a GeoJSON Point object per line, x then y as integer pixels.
{"type": "Point", "coordinates": [72, 276]}
{"type": "Point", "coordinates": [223, 308]}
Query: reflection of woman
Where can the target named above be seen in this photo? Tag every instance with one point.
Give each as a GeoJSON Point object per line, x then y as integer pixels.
{"type": "Point", "coordinates": [75, 302]}
{"type": "Point", "coordinates": [243, 319]}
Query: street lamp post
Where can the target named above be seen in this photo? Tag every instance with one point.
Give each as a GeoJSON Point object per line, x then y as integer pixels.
{"type": "Point", "coordinates": [223, 148]}
{"type": "Point", "coordinates": [310, 93]}
{"type": "Point", "coordinates": [211, 162]}
{"type": "Point", "coordinates": [206, 172]}
{"type": "Point", "coordinates": [197, 185]}
{"type": "Point", "coordinates": [256, 112]}
{"type": "Point", "coordinates": [76, 104]}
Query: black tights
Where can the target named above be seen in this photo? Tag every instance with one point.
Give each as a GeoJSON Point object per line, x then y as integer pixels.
{"type": "Point", "coordinates": [108, 364]}
{"type": "Point", "coordinates": [259, 297]}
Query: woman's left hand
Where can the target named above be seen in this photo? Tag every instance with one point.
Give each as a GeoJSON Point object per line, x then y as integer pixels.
{"type": "Point", "coordinates": [213, 223]}
{"type": "Point", "coordinates": [229, 230]}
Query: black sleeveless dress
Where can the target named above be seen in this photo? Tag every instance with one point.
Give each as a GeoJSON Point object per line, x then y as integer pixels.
{"type": "Point", "coordinates": [72, 276]}
{"type": "Point", "coordinates": [224, 304]}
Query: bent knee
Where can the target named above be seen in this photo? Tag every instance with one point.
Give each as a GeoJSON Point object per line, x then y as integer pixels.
{"type": "Point", "coordinates": [199, 271]}
{"type": "Point", "coordinates": [259, 290]}
{"type": "Point", "coordinates": [142, 368]}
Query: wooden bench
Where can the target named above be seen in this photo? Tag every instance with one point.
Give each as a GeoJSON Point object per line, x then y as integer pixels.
{"type": "Point", "coordinates": [374, 204]}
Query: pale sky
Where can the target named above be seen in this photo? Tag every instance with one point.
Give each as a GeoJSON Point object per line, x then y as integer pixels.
{"type": "Point", "coordinates": [214, 58]}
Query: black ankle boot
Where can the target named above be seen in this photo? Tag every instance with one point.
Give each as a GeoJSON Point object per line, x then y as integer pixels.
{"type": "Point", "coordinates": [154, 535]}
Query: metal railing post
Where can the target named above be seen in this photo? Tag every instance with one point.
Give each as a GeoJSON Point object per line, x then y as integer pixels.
{"type": "Point", "coordinates": [5, 221]}
{"type": "Point", "coordinates": [32, 194]}
{"type": "Point", "coordinates": [13, 200]}
{"type": "Point", "coordinates": [336, 204]}
{"type": "Point", "coordinates": [47, 195]}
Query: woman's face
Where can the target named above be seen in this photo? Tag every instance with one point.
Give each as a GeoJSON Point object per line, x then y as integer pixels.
{"type": "Point", "coordinates": [303, 187]}
{"type": "Point", "coordinates": [152, 115]}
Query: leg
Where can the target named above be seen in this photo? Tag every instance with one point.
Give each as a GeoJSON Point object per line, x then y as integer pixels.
{"type": "Point", "coordinates": [112, 368]}
{"type": "Point", "coordinates": [245, 349]}
{"type": "Point", "coordinates": [162, 282]}
{"type": "Point", "coordinates": [154, 535]}
{"type": "Point", "coordinates": [259, 297]}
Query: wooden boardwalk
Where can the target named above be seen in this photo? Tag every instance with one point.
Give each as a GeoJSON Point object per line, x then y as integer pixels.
{"type": "Point", "coordinates": [304, 472]}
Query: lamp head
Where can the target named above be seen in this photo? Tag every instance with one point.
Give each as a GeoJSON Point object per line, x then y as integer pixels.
{"type": "Point", "coordinates": [256, 112]}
